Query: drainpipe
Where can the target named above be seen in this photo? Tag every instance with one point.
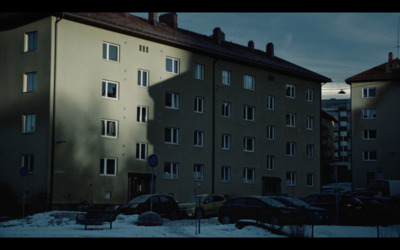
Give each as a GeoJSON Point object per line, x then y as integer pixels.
{"type": "Point", "coordinates": [58, 19]}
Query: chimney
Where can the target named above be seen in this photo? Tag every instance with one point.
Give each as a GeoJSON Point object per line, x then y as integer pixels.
{"type": "Point", "coordinates": [250, 44]}
{"type": "Point", "coordinates": [170, 19]}
{"type": "Point", "coordinates": [218, 35]}
{"type": "Point", "coordinates": [390, 56]}
{"type": "Point", "coordinates": [153, 18]}
{"type": "Point", "coordinates": [270, 50]}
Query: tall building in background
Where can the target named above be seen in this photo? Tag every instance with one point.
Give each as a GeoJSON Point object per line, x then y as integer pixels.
{"type": "Point", "coordinates": [88, 97]}
{"type": "Point", "coordinates": [375, 118]}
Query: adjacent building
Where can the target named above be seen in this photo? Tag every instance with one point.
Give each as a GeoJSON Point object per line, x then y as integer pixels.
{"type": "Point", "coordinates": [88, 97]}
{"type": "Point", "coordinates": [375, 134]}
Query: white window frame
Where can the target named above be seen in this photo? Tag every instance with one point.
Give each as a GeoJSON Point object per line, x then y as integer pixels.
{"type": "Point", "coordinates": [105, 128]}
{"type": "Point", "coordinates": [248, 175]}
{"type": "Point", "coordinates": [310, 95]}
{"type": "Point", "coordinates": [30, 41]}
{"type": "Point", "coordinates": [367, 155]}
{"type": "Point", "coordinates": [310, 150]}
{"type": "Point", "coordinates": [270, 162]}
{"type": "Point", "coordinates": [271, 102]}
{"type": "Point", "coordinates": [310, 123]}
{"type": "Point", "coordinates": [198, 172]}
{"type": "Point", "coordinates": [105, 85]}
{"type": "Point", "coordinates": [199, 105]}
{"type": "Point", "coordinates": [249, 82]}
{"type": "Point", "coordinates": [143, 78]}
{"type": "Point", "coordinates": [142, 114]}
{"type": "Point", "coordinates": [366, 92]}
{"type": "Point", "coordinates": [226, 109]}
{"type": "Point", "coordinates": [199, 138]}
{"type": "Point", "coordinates": [106, 53]}
{"type": "Point", "coordinates": [249, 113]}
{"type": "Point", "coordinates": [248, 144]}
{"type": "Point", "coordinates": [141, 151]}
{"type": "Point", "coordinates": [226, 142]}
{"type": "Point", "coordinates": [199, 71]}
{"type": "Point", "coordinates": [290, 91]}
{"type": "Point", "coordinates": [270, 132]}
{"type": "Point", "coordinates": [291, 177]}
{"type": "Point", "coordinates": [174, 100]}
{"type": "Point", "coordinates": [290, 120]}
{"type": "Point", "coordinates": [369, 114]}
{"type": "Point", "coordinates": [226, 77]}
{"type": "Point", "coordinates": [28, 161]}
{"type": "Point", "coordinates": [225, 174]}
{"type": "Point", "coordinates": [367, 134]}
{"type": "Point", "coordinates": [171, 170]}
{"type": "Point", "coordinates": [291, 149]}
{"type": "Point", "coordinates": [104, 168]}
{"type": "Point", "coordinates": [174, 65]}
{"type": "Point", "coordinates": [30, 80]}
{"type": "Point", "coordinates": [310, 178]}
{"type": "Point", "coordinates": [173, 135]}
{"type": "Point", "coordinates": [28, 123]}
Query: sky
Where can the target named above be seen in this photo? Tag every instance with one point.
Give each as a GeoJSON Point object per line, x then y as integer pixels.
{"type": "Point", "coordinates": [336, 45]}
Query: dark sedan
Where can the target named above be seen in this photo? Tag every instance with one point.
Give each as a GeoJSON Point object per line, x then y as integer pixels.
{"type": "Point", "coordinates": [163, 205]}
{"type": "Point", "coordinates": [259, 208]}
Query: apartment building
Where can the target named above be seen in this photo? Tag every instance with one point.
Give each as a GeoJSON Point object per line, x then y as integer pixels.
{"type": "Point", "coordinates": [375, 134]}
{"type": "Point", "coordinates": [88, 97]}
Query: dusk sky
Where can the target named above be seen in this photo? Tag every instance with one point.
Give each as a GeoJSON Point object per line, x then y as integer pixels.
{"type": "Point", "coordinates": [335, 45]}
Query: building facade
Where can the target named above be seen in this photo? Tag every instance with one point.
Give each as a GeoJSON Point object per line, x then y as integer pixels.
{"type": "Point", "coordinates": [90, 96]}
{"type": "Point", "coordinates": [374, 106]}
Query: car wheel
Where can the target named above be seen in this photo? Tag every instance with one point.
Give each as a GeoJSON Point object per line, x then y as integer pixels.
{"type": "Point", "coordinates": [225, 219]}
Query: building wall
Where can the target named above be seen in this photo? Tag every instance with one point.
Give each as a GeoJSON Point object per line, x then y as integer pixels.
{"type": "Point", "coordinates": [386, 143]}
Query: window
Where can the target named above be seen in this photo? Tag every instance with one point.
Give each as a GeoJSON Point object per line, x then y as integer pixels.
{"type": "Point", "coordinates": [310, 95]}
{"type": "Point", "coordinates": [226, 77]}
{"type": "Point", "coordinates": [369, 156]}
{"type": "Point", "coordinates": [109, 89]}
{"type": "Point", "coordinates": [248, 144]}
{"type": "Point", "coordinates": [291, 178]}
{"type": "Point", "coordinates": [171, 135]}
{"type": "Point", "coordinates": [28, 123]}
{"type": "Point", "coordinates": [290, 91]}
{"type": "Point", "coordinates": [270, 102]}
{"type": "Point", "coordinates": [143, 78]}
{"type": "Point", "coordinates": [270, 162]}
{"type": "Point", "coordinates": [144, 48]}
{"type": "Point", "coordinates": [369, 134]}
{"type": "Point", "coordinates": [248, 175]}
{"type": "Point", "coordinates": [141, 151]}
{"type": "Point", "coordinates": [310, 150]}
{"type": "Point", "coordinates": [290, 120]}
{"type": "Point", "coordinates": [198, 104]}
{"type": "Point", "coordinates": [291, 148]}
{"type": "Point", "coordinates": [172, 100]}
{"type": "Point", "coordinates": [248, 113]}
{"type": "Point", "coordinates": [142, 112]}
{"type": "Point", "coordinates": [226, 142]}
{"type": "Point", "coordinates": [310, 123]}
{"type": "Point", "coordinates": [310, 180]}
{"type": "Point", "coordinates": [369, 113]}
{"type": "Point", "coordinates": [199, 71]}
{"type": "Point", "coordinates": [29, 82]}
{"type": "Point", "coordinates": [108, 166]}
{"type": "Point", "coordinates": [171, 170]}
{"type": "Point", "coordinates": [225, 173]}
{"type": "Point", "coordinates": [369, 92]}
{"type": "Point", "coordinates": [270, 132]}
{"type": "Point", "coordinates": [172, 65]}
{"type": "Point", "coordinates": [110, 52]}
{"type": "Point", "coordinates": [198, 138]}
{"type": "Point", "coordinates": [31, 41]}
{"type": "Point", "coordinates": [109, 128]}
{"type": "Point", "coordinates": [226, 109]}
{"type": "Point", "coordinates": [27, 162]}
{"type": "Point", "coordinates": [248, 82]}
{"type": "Point", "coordinates": [198, 172]}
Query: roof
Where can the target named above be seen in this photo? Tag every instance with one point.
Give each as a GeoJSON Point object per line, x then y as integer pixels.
{"type": "Point", "coordinates": [384, 72]}
{"type": "Point", "coordinates": [164, 33]}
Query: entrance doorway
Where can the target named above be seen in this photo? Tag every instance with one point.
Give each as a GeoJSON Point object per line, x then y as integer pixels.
{"type": "Point", "coordinates": [271, 185]}
{"type": "Point", "coordinates": [139, 184]}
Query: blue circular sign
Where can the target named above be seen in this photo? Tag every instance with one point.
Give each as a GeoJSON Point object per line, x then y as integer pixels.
{"type": "Point", "coordinates": [153, 161]}
{"type": "Point", "coordinates": [24, 171]}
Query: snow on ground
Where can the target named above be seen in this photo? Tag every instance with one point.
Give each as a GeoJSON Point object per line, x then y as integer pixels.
{"type": "Point", "coordinates": [62, 224]}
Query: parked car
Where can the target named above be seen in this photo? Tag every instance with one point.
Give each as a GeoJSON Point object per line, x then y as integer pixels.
{"type": "Point", "coordinates": [310, 214]}
{"type": "Point", "coordinates": [164, 205]}
{"type": "Point", "coordinates": [202, 205]}
{"type": "Point", "coordinates": [349, 207]}
{"type": "Point", "coordinates": [259, 208]}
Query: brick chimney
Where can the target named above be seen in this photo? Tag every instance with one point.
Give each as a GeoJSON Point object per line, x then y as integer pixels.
{"type": "Point", "coordinates": [218, 35]}
{"type": "Point", "coordinates": [153, 18]}
{"type": "Point", "coordinates": [250, 44]}
{"type": "Point", "coordinates": [270, 50]}
{"type": "Point", "coordinates": [170, 19]}
{"type": "Point", "coordinates": [390, 56]}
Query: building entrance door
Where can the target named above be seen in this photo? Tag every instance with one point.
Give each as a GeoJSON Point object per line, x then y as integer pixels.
{"type": "Point", "coordinates": [139, 184]}
{"type": "Point", "coordinates": [271, 185]}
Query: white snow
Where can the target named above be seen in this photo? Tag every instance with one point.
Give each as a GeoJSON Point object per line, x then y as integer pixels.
{"type": "Point", "coordinates": [62, 224]}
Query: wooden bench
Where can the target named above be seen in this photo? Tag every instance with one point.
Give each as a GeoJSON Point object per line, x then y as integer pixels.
{"type": "Point", "coordinates": [96, 217]}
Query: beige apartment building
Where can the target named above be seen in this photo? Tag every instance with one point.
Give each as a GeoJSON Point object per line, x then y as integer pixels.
{"type": "Point", "coordinates": [375, 120]}
{"type": "Point", "coordinates": [88, 97]}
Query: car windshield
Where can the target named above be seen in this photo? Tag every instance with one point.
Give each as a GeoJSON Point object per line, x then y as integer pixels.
{"type": "Point", "coordinates": [196, 198]}
{"type": "Point", "coordinates": [139, 199]}
{"type": "Point", "coordinates": [272, 202]}
{"type": "Point", "coordinates": [294, 201]}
